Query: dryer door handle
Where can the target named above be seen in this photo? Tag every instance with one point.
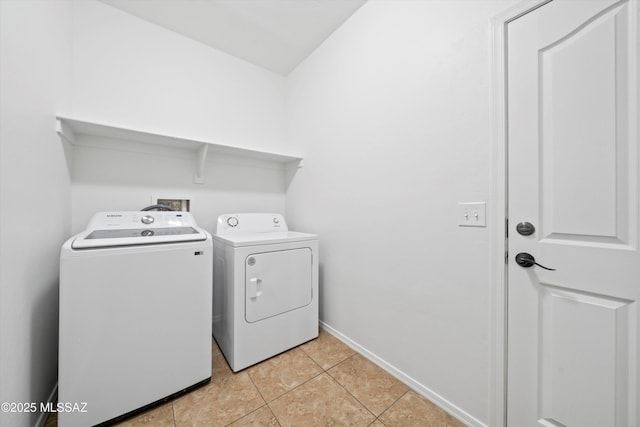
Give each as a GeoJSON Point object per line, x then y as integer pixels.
{"type": "Point", "coordinates": [254, 290]}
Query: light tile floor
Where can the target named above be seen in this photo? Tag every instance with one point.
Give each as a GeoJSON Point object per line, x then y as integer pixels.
{"type": "Point", "coordinates": [320, 383]}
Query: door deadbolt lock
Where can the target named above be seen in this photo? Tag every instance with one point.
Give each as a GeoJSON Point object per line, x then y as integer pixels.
{"type": "Point", "coordinates": [525, 229]}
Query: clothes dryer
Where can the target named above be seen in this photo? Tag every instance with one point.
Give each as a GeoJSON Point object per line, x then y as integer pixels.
{"type": "Point", "coordinates": [265, 287]}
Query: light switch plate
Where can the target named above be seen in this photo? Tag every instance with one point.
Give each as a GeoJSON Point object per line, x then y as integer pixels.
{"type": "Point", "coordinates": [472, 214]}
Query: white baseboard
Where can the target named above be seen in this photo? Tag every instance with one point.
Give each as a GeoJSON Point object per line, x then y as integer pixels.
{"type": "Point", "coordinates": [44, 415]}
{"type": "Point", "coordinates": [440, 401]}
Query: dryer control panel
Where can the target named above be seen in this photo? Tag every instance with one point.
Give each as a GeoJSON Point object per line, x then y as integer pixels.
{"type": "Point", "coordinates": [251, 223]}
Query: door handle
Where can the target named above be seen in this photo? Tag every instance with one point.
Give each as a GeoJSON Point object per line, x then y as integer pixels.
{"type": "Point", "coordinates": [526, 260]}
{"type": "Point", "coordinates": [255, 290]}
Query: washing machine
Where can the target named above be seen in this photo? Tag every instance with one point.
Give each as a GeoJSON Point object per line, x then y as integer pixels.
{"type": "Point", "coordinates": [265, 287]}
{"type": "Point", "coordinates": [135, 314]}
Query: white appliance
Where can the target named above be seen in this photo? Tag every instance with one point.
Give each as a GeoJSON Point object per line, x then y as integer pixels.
{"type": "Point", "coordinates": [135, 314]}
{"type": "Point", "coordinates": [265, 287]}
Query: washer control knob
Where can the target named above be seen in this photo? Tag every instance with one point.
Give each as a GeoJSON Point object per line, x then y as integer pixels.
{"type": "Point", "coordinates": [276, 220]}
{"type": "Point", "coordinates": [232, 221]}
{"type": "Point", "coordinates": [147, 219]}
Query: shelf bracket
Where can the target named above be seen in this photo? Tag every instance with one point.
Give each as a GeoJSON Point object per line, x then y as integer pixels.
{"type": "Point", "coordinates": [65, 132]}
{"type": "Point", "coordinates": [67, 137]}
{"type": "Point", "coordinates": [201, 158]}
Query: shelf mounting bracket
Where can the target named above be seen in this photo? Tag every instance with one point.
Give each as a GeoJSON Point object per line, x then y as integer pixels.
{"type": "Point", "coordinates": [201, 158]}
{"type": "Point", "coordinates": [64, 131]}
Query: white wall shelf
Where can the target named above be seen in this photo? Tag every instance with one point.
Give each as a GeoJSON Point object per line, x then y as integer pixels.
{"type": "Point", "coordinates": [68, 129]}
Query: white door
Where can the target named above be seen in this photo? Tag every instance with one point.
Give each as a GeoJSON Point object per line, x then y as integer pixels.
{"type": "Point", "coordinates": [277, 282]}
{"type": "Point", "coordinates": [573, 333]}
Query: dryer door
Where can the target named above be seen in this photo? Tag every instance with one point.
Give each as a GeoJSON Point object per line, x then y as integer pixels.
{"type": "Point", "coordinates": [277, 282]}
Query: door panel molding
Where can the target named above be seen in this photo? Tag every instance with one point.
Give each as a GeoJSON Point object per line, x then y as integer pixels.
{"type": "Point", "coordinates": [565, 77]}
{"type": "Point", "coordinates": [593, 324]}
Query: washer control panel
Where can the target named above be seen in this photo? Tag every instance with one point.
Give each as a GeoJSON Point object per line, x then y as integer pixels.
{"type": "Point", "coordinates": [147, 219]}
{"type": "Point", "coordinates": [127, 228]}
{"type": "Point", "coordinates": [136, 219]}
{"type": "Point", "coordinates": [251, 223]}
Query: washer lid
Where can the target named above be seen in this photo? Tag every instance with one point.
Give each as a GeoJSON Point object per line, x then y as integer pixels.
{"type": "Point", "coordinates": [131, 237]}
{"type": "Point", "coordinates": [108, 229]}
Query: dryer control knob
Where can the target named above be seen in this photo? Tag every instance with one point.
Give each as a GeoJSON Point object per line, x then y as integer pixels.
{"type": "Point", "coordinates": [147, 219]}
{"type": "Point", "coordinates": [232, 221]}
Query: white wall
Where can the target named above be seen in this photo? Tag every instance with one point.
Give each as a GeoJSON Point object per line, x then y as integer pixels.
{"type": "Point", "coordinates": [107, 179]}
{"type": "Point", "coordinates": [35, 70]}
{"type": "Point", "coordinates": [131, 73]}
{"type": "Point", "coordinates": [393, 113]}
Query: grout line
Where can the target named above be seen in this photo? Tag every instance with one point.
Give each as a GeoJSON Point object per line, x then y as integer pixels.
{"type": "Point", "coordinates": [338, 364]}
{"type": "Point", "coordinates": [351, 394]}
{"type": "Point", "coordinates": [257, 388]}
{"type": "Point", "coordinates": [359, 401]}
{"type": "Point", "coordinates": [378, 420]}
{"type": "Point", "coordinates": [394, 402]}
{"type": "Point", "coordinates": [337, 382]}
{"type": "Point", "coordinates": [309, 356]}
{"type": "Point", "coordinates": [335, 364]}
{"type": "Point", "coordinates": [287, 391]}
{"type": "Point", "coordinates": [299, 385]}
{"type": "Point", "coordinates": [173, 413]}
{"type": "Point", "coordinates": [252, 412]}
{"type": "Point", "coordinates": [274, 414]}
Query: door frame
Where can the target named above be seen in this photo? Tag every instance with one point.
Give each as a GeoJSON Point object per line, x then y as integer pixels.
{"type": "Point", "coordinates": [499, 207]}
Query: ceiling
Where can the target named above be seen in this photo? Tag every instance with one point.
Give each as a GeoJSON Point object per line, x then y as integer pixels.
{"type": "Point", "coordinates": [274, 34]}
